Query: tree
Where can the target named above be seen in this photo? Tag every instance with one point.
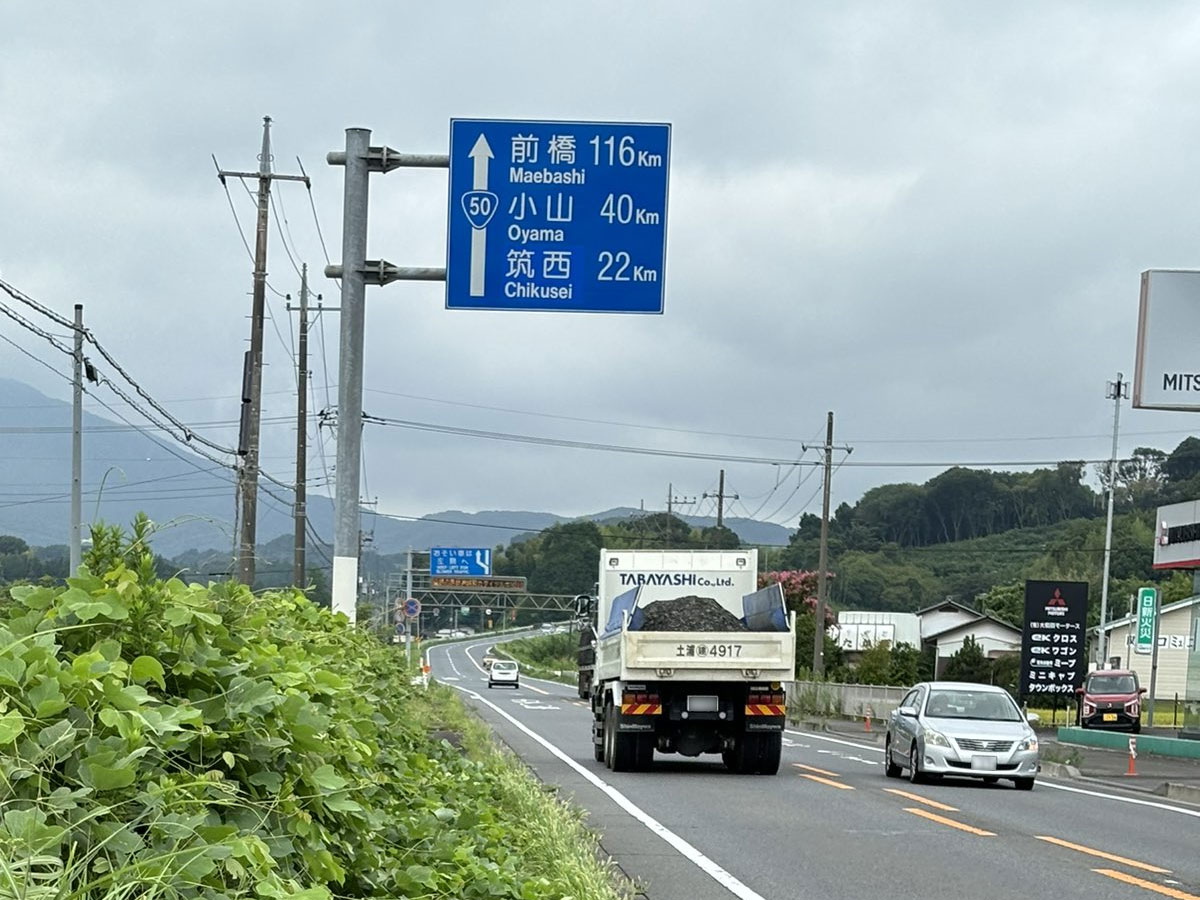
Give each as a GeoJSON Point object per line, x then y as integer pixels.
{"type": "Point", "coordinates": [905, 665]}
{"type": "Point", "coordinates": [568, 558]}
{"type": "Point", "coordinates": [1183, 463]}
{"type": "Point", "coordinates": [722, 538]}
{"type": "Point", "coordinates": [12, 546]}
{"type": "Point", "coordinates": [968, 664]}
{"type": "Point", "coordinates": [875, 664]}
{"type": "Point", "coordinates": [1006, 601]}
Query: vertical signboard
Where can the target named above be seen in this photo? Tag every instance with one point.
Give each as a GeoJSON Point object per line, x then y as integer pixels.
{"type": "Point", "coordinates": [557, 216]}
{"type": "Point", "coordinates": [1053, 643]}
{"type": "Point", "coordinates": [1147, 620]}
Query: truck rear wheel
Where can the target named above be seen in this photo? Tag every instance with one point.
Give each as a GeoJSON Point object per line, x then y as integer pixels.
{"type": "Point", "coordinates": [770, 750]}
{"type": "Point", "coordinates": [754, 754]}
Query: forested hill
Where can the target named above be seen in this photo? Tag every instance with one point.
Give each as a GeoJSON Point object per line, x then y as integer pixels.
{"type": "Point", "coordinates": [970, 535]}
{"type": "Point", "coordinates": [975, 534]}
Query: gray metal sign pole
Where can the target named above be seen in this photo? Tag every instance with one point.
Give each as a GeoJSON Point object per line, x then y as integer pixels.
{"type": "Point", "coordinates": [356, 271]}
{"type": "Point", "coordinates": [349, 431]}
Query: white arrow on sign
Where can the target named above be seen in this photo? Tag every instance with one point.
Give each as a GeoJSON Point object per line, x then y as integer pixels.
{"type": "Point", "coordinates": [480, 154]}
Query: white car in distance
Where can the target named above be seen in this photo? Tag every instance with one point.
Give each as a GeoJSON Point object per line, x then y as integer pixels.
{"type": "Point", "coordinates": [504, 671]}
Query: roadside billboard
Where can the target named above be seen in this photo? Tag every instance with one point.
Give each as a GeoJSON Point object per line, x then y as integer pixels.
{"type": "Point", "coordinates": [1167, 375]}
{"type": "Point", "coordinates": [1053, 640]}
{"type": "Point", "coordinates": [1177, 536]}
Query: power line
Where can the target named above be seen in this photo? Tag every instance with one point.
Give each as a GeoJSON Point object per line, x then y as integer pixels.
{"type": "Point", "coordinates": [689, 454]}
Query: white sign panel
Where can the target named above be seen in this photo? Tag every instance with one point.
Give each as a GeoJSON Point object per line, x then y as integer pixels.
{"type": "Point", "coordinates": [1167, 375]}
{"type": "Point", "coordinates": [1177, 536]}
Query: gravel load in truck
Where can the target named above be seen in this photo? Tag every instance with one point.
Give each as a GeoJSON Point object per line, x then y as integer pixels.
{"type": "Point", "coordinates": [690, 613]}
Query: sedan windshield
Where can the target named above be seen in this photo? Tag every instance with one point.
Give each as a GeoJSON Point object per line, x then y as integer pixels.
{"type": "Point", "coordinates": [1111, 684]}
{"type": "Point", "coordinates": [967, 704]}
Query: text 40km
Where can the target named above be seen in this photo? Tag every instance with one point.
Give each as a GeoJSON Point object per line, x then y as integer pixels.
{"type": "Point", "coordinates": [620, 209]}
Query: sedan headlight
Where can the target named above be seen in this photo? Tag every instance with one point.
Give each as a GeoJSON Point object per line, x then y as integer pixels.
{"type": "Point", "coordinates": [936, 739]}
{"type": "Point", "coordinates": [1029, 743]}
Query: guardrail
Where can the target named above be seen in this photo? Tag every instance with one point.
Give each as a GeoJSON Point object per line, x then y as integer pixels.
{"type": "Point", "coordinates": [856, 701]}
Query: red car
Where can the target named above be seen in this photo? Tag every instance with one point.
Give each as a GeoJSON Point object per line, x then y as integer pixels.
{"type": "Point", "coordinates": [1112, 699]}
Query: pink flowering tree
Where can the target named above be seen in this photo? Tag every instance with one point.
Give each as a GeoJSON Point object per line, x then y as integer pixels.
{"type": "Point", "coordinates": [799, 590]}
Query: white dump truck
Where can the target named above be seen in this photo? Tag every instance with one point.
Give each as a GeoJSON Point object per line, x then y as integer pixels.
{"type": "Point", "coordinates": [659, 681]}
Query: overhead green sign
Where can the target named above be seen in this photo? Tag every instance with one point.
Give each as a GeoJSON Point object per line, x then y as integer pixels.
{"type": "Point", "coordinates": [1147, 615]}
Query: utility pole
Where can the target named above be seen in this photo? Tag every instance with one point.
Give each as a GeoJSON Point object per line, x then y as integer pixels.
{"type": "Point", "coordinates": [76, 551]}
{"type": "Point", "coordinates": [300, 511]}
{"type": "Point", "coordinates": [1115, 391]}
{"type": "Point", "coordinates": [721, 495]}
{"type": "Point", "coordinates": [408, 637]}
{"type": "Point", "coordinates": [252, 377]}
{"type": "Point", "coordinates": [823, 556]}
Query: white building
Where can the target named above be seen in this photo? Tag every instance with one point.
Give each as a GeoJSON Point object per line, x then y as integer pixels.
{"type": "Point", "coordinates": [1177, 641]}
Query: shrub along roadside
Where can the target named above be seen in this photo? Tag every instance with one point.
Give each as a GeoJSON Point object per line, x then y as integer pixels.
{"type": "Point", "coordinates": [549, 656]}
{"type": "Point", "coordinates": [165, 740]}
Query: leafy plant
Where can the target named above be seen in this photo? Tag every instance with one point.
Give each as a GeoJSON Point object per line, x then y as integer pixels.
{"type": "Point", "coordinates": [182, 741]}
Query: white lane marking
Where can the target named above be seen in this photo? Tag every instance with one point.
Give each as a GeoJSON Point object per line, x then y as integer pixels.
{"type": "Point", "coordinates": [450, 678]}
{"type": "Point", "coordinates": [1041, 781]}
{"type": "Point", "coordinates": [1074, 790]}
{"type": "Point", "coordinates": [821, 737]}
{"type": "Point", "coordinates": [532, 688]}
{"type": "Point", "coordinates": [531, 703]}
{"type": "Point", "coordinates": [706, 865]}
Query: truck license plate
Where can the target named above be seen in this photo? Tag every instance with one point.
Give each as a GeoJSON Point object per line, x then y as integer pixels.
{"type": "Point", "coordinates": [986, 763]}
{"type": "Point", "coordinates": [1110, 717]}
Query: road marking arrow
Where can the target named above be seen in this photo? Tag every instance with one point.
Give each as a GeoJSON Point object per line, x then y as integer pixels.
{"type": "Point", "coordinates": [480, 154]}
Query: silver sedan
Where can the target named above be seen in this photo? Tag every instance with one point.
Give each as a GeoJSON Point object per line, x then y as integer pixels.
{"type": "Point", "coordinates": [957, 728]}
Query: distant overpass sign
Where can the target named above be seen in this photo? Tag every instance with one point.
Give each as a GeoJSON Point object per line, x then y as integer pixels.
{"type": "Point", "coordinates": [498, 584]}
{"type": "Point", "coordinates": [557, 216]}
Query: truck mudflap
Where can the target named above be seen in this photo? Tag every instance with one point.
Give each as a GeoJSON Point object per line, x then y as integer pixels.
{"type": "Point", "coordinates": [638, 710]}
{"type": "Point", "coordinates": [765, 710]}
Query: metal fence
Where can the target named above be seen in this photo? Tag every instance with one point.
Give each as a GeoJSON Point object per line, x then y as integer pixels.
{"type": "Point", "coordinates": [825, 698]}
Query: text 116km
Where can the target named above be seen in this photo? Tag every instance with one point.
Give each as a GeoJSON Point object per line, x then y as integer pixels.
{"type": "Point", "coordinates": [621, 151]}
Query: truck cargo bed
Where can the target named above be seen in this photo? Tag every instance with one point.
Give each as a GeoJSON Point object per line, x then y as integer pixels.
{"type": "Point", "coordinates": [697, 655]}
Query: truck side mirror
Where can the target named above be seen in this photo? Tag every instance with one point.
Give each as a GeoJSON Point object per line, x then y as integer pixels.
{"type": "Point", "coordinates": [1141, 690]}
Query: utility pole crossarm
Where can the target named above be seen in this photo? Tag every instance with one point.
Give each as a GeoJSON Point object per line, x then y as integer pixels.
{"type": "Point", "coordinates": [222, 174]}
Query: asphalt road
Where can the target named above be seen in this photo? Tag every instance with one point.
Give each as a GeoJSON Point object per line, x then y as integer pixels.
{"type": "Point", "coordinates": [830, 825]}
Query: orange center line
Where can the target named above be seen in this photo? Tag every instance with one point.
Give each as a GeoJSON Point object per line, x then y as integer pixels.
{"type": "Point", "coordinates": [920, 799]}
{"type": "Point", "coordinates": [820, 780]}
{"type": "Point", "coordinates": [1148, 885]}
{"type": "Point", "coordinates": [815, 769]}
{"type": "Point", "coordinates": [942, 820]}
{"type": "Point", "coordinates": [1111, 857]}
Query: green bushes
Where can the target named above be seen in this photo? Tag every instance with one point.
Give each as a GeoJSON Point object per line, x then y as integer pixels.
{"type": "Point", "coordinates": [544, 656]}
{"type": "Point", "coordinates": [174, 741]}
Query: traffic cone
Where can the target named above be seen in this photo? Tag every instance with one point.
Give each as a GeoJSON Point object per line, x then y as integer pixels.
{"type": "Point", "coordinates": [1132, 756]}
{"type": "Point", "coordinates": [867, 720]}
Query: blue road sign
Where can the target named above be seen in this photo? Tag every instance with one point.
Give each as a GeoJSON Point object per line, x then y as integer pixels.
{"type": "Point", "coordinates": [460, 561]}
{"type": "Point", "coordinates": [412, 607]}
{"type": "Point", "coordinates": [561, 216]}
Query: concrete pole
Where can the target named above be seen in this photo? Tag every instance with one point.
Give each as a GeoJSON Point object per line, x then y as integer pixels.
{"type": "Point", "coordinates": [823, 559]}
{"type": "Point", "coordinates": [301, 511]}
{"type": "Point", "coordinates": [1115, 392]}
{"type": "Point", "coordinates": [249, 480]}
{"type": "Point", "coordinates": [350, 378]}
{"type": "Point", "coordinates": [721, 500]}
{"type": "Point", "coordinates": [407, 594]}
{"type": "Point", "coordinates": [76, 551]}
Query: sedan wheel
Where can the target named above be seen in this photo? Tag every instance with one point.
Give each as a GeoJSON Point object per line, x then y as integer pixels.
{"type": "Point", "coordinates": [890, 769]}
{"type": "Point", "coordinates": [914, 765]}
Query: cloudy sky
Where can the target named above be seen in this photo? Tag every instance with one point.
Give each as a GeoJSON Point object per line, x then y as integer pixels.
{"type": "Point", "coordinates": [929, 218]}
